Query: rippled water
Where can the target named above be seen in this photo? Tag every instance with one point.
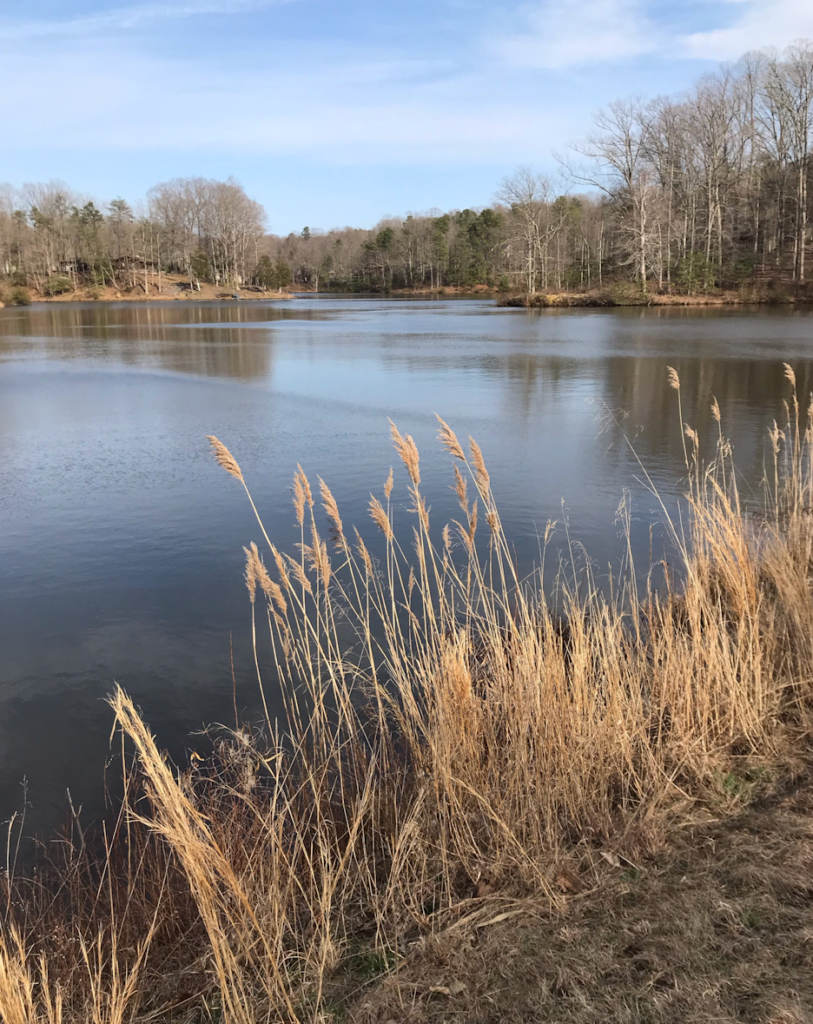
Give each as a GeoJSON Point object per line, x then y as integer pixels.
{"type": "Point", "coordinates": [121, 540]}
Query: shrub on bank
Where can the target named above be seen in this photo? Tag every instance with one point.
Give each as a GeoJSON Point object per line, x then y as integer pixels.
{"type": "Point", "coordinates": [56, 285]}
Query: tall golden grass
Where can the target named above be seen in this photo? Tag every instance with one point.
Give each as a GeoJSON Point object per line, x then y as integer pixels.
{"type": "Point", "coordinates": [445, 723]}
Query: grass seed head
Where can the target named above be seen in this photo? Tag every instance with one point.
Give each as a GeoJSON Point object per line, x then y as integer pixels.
{"type": "Point", "coordinates": [408, 450]}
{"type": "Point", "coordinates": [224, 458]}
{"type": "Point", "coordinates": [380, 517]}
{"type": "Point", "coordinates": [332, 512]}
{"type": "Point", "coordinates": [449, 440]}
{"type": "Point", "coordinates": [461, 488]}
{"type": "Point", "coordinates": [483, 479]}
{"type": "Point", "coordinates": [299, 574]}
{"type": "Point", "coordinates": [269, 587]}
{"type": "Point", "coordinates": [251, 571]}
{"type": "Point", "coordinates": [715, 409]}
{"type": "Point", "coordinates": [299, 499]}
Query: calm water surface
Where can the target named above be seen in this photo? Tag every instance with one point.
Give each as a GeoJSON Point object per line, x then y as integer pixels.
{"type": "Point", "coordinates": [121, 540]}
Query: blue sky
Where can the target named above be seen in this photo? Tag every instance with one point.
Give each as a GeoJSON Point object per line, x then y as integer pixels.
{"type": "Point", "coordinates": [336, 112]}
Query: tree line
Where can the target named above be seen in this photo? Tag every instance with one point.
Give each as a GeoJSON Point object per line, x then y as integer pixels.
{"type": "Point", "coordinates": [55, 241]}
{"type": "Point", "coordinates": [707, 190]}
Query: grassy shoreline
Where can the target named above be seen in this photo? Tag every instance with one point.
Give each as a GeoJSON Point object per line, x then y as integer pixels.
{"type": "Point", "coordinates": [633, 297]}
{"type": "Point", "coordinates": [471, 759]}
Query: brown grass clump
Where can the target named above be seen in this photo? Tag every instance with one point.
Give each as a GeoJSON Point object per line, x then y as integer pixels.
{"type": "Point", "coordinates": [455, 746]}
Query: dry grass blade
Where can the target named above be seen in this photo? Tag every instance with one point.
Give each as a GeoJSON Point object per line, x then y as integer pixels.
{"type": "Point", "coordinates": [17, 986]}
{"type": "Point", "coordinates": [222, 901]}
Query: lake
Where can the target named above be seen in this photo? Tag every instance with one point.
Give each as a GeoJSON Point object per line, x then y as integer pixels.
{"type": "Point", "coordinates": [121, 540]}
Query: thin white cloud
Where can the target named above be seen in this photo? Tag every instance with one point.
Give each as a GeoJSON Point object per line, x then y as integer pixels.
{"type": "Point", "coordinates": [351, 110]}
{"type": "Point", "coordinates": [561, 34]}
{"type": "Point", "coordinates": [570, 33]}
{"type": "Point", "coordinates": [128, 17]}
{"type": "Point", "coordinates": [753, 25]}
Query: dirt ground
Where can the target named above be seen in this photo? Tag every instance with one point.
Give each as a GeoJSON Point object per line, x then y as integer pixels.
{"type": "Point", "coordinates": [716, 927]}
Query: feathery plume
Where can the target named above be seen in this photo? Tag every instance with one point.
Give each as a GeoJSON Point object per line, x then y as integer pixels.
{"type": "Point", "coordinates": [388, 485]}
{"type": "Point", "coordinates": [299, 499]}
{"type": "Point", "coordinates": [361, 547]}
{"type": "Point", "coordinates": [789, 374]}
{"type": "Point", "coordinates": [302, 494]}
{"type": "Point", "coordinates": [462, 490]}
{"type": "Point", "coordinates": [316, 553]}
{"type": "Point", "coordinates": [380, 517]}
{"type": "Point", "coordinates": [483, 479]}
{"type": "Point", "coordinates": [299, 574]}
{"type": "Point", "coordinates": [423, 512]}
{"type": "Point", "coordinates": [224, 458]}
{"type": "Point", "coordinates": [672, 377]}
{"type": "Point", "coordinates": [251, 571]}
{"type": "Point", "coordinates": [269, 587]}
{"type": "Point", "coordinates": [408, 450]}
{"type": "Point", "coordinates": [774, 433]}
{"type": "Point", "coordinates": [449, 440]}
{"type": "Point", "coordinates": [281, 569]}
{"type": "Point", "coordinates": [332, 512]}
{"type": "Point", "coordinates": [715, 409]}
{"type": "Point", "coordinates": [464, 535]}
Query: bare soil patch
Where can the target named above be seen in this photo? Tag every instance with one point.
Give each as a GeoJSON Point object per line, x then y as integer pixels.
{"type": "Point", "coordinates": [716, 926]}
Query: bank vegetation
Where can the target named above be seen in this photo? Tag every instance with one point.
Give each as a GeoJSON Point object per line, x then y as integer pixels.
{"type": "Point", "coordinates": [459, 745]}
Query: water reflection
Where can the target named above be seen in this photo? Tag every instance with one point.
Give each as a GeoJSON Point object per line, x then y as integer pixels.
{"type": "Point", "coordinates": [199, 338]}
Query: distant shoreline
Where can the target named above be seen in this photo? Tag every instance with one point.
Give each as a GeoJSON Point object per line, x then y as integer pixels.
{"type": "Point", "coordinates": [180, 290]}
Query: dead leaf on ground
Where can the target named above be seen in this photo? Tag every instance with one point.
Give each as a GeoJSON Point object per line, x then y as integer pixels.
{"type": "Point", "coordinates": [567, 881]}
{"type": "Point", "coordinates": [500, 917]}
{"type": "Point", "coordinates": [454, 988]}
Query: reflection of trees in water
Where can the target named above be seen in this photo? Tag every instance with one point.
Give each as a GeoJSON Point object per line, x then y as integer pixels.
{"type": "Point", "coordinates": [181, 338]}
{"type": "Point", "coordinates": [750, 394]}
{"type": "Point", "coordinates": [533, 376]}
